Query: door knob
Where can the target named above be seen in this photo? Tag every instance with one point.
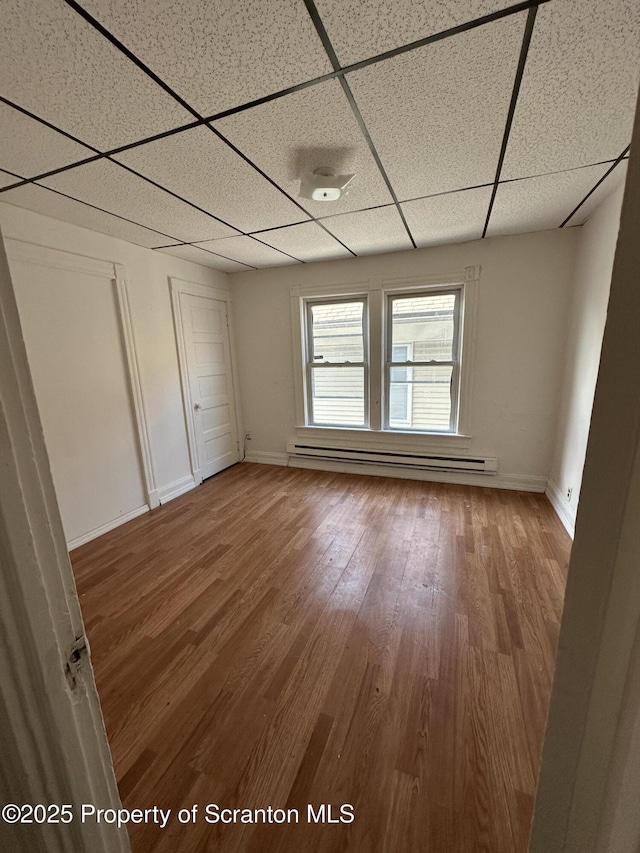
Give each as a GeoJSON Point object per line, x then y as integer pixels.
{"type": "Point", "coordinates": [197, 407]}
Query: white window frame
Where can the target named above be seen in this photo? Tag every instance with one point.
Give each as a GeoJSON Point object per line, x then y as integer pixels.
{"type": "Point", "coordinates": [311, 364]}
{"type": "Point", "coordinates": [456, 352]}
{"type": "Point", "coordinates": [376, 291]}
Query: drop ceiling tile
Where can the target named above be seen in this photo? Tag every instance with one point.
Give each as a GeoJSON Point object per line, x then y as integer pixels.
{"type": "Point", "coordinates": [31, 148]}
{"type": "Point", "coordinates": [537, 204]}
{"type": "Point", "coordinates": [437, 114]}
{"type": "Point", "coordinates": [6, 179]}
{"type": "Point", "coordinates": [204, 258]}
{"type": "Point", "coordinates": [451, 218]}
{"type": "Point", "coordinates": [218, 55]}
{"type": "Point", "coordinates": [578, 93]}
{"type": "Point", "coordinates": [198, 166]}
{"type": "Point", "coordinates": [383, 26]}
{"type": "Point", "coordinates": [56, 65]}
{"type": "Point", "coordinates": [303, 132]}
{"type": "Point", "coordinates": [370, 231]}
{"type": "Point", "coordinates": [248, 251]}
{"type": "Point", "coordinates": [608, 186]}
{"type": "Point", "coordinates": [50, 203]}
{"type": "Point", "coordinates": [306, 241]}
{"type": "Point", "coordinates": [112, 188]}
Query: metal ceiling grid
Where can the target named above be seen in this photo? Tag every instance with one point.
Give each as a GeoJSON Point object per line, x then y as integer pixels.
{"type": "Point", "coordinates": [59, 162]}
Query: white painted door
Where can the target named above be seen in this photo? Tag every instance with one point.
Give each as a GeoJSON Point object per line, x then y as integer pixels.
{"type": "Point", "coordinates": [72, 331]}
{"type": "Point", "coordinates": [206, 338]}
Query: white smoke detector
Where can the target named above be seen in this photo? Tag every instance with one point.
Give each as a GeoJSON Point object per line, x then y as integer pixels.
{"type": "Point", "coordinates": [324, 185]}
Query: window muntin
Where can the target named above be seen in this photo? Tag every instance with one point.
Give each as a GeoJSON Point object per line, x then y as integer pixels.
{"type": "Point", "coordinates": [426, 325]}
{"type": "Point", "coordinates": [337, 363]}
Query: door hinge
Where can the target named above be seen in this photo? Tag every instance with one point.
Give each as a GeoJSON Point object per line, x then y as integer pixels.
{"type": "Point", "coordinates": [78, 652]}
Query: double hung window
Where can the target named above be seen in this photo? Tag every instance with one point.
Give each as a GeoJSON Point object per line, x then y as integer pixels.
{"type": "Point", "coordinates": [422, 361]}
{"type": "Point", "coordinates": [337, 363]}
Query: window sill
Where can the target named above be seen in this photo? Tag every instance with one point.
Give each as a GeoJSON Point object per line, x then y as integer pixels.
{"type": "Point", "coordinates": [383, 439]}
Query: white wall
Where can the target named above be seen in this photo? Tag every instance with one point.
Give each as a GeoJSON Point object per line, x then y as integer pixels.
{"type": "Point", "coordinates": [522, 314]}
{"type": "Point", "coordinates": [148, 275]}
{"type": "Point", "coordinates": [587, 799]}
{"type": "Point", "coordinates": [587, 315]}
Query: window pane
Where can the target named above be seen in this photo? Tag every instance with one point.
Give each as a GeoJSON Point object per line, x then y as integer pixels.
{"type": "Point", "coordinates": [424, 325]}
{"type": "Point", "coordinates": [399, 409]}
{"type": "Point", "coordinates": [337, 334]}
{"type": "Point", "coordinates": [401, 352]}
{"type": "Point", "coordinates": [338, 396]}
{"type": "Point", "coordinates": [428, 395]}
{"type": "Point", "coordinates": [400, 374]}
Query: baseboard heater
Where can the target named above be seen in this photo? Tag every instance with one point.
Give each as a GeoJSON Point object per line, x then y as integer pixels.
{"type": "Point", "coordinates": [427, 461]}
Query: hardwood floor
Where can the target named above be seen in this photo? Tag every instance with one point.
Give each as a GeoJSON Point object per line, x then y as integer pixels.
{"type": "Point", "coordinates": [285, 637]}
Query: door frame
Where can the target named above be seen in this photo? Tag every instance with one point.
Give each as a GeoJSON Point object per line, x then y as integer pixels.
{"type": "Point", "coordinates": [178, 287]}
{"type": "Point", "coordinates": [52, 734]}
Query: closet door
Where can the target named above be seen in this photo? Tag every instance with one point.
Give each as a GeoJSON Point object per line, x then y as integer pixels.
{"type": "Point", "coordinates": [71, 324]}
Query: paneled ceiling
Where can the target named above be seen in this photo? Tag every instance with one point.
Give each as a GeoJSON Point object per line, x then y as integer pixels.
{"type": "Point", "coordinates": [185, 125]}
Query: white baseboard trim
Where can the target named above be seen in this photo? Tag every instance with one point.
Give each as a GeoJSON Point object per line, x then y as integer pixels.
{"type": "Point", "coordinates": [265, 458]}
{"type": "Point", "coordinates": [564, 511]}
{"type": "Point", "coordinates": [105, 528]}
{"type": "Point", "coordinates": [520, 483]}
{"type": "Point", "coordinates": [516, 482]}
{"type": "Point", "coordinates": [177, 488]}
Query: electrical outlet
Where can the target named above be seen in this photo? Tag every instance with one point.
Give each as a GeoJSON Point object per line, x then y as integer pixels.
{"type": "Point", "coordinates": [569, 493]}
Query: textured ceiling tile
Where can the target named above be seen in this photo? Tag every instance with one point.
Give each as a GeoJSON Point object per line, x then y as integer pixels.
{"type": "Point", "coordinates": [383, 25]}
{"type": "Point", "coordinates": [303, 132]}
{"type": "Point", "coordinates": [248, 251]}
{"type": "Point", "coordinates": [51, 203]}
{"type": "Point", "coordinates": [198, 166]}
{"type": "Point", "coordinates": [56, 65]}
{"type": "Point", "coordinates": [370, 231]}
{"type": "Point", "coordinates": [537, 204]}
{"type": "Point", "coordinates": [6, 179]}
{"type": "Point", "coordinates": [450, 218]}
{"type": "Point", "coordinates": [306, 241]}
{"type": "Point", "coordinates": [204, 258]}
{"type": "Point", "coordinates": [217, 55]}
{"type": "Point", "coordinates": [31, 148]}
{"type": "Point", "coordinates": [112, 188]}
{"type": "Point", "coordinates": [608, 186]}
{"type": "Point", "coordinates": [437, 115]}
{"type": "Point", "coordinates": [578, 93]}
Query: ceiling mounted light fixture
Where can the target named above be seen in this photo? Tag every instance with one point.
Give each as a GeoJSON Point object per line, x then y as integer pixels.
{"type": "Point", "coordinates": [325, 185]}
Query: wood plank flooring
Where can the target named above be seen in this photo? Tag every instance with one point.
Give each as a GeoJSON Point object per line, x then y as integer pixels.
{"type": "Point", "coordinates": [280, 637]}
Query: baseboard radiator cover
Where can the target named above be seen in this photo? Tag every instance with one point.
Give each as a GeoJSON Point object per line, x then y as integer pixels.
{"type": "Point", "coordinates": [426, 462]}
